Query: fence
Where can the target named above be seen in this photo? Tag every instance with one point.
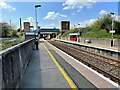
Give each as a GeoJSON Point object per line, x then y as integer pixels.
{"type": "Point", "coordinates": [13, 62]}
{"type": "Point", "coordinates": [99, 41]}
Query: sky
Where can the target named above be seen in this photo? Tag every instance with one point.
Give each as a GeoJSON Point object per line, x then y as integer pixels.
{"type": "Point", "coordinates": [51, 13]}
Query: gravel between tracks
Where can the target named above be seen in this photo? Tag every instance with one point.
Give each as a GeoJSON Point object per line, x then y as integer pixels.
{"type": "Point", "coordinates": [109, 68]}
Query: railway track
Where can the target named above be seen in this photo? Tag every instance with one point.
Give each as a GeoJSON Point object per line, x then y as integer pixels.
{"type": "Point", "coordinates": [104, 65]}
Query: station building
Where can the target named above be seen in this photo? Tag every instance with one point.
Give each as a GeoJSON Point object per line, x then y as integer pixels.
{"type": "Point", "coordinates": [64, 26]}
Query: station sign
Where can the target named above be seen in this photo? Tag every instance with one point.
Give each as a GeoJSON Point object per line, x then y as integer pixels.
{"type": "Point", "coordinates": [36, 32]}
{"type": "Point", "coordinates": [112, 31]}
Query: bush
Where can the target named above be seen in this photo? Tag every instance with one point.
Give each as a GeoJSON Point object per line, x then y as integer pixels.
{"type": "Point", "coordinates": [100, 29]}
{"type": "Point", "coordinates": [8, 44]}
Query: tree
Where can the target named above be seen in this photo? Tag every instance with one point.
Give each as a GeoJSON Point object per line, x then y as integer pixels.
{"type": "Point", "coordinates": [106, 22]}
{"type": "Point", "coordinates": [14, 34]}
{"type": "Point", "coordinates": [117, 27]}
{"type": "Point", "coordinates": [5, 30]}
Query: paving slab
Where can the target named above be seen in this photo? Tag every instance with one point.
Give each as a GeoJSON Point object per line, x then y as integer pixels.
{"type": "Point", "coordinates": [42, 72]}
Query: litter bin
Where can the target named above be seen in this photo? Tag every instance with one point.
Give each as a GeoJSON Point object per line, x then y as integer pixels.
{"type": "Point", "coordinates": [88, 40]}
{"type": "Point", "coordinates": [111, 43]}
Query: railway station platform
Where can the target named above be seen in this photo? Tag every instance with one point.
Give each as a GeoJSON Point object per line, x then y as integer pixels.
{"type": "Point", "coordinates": [49, 67]}
{"type": "Point", "coordinates": [111, 52]}
{"type": "Point", "coordinates": [115, 49]}
{"type": "Point", "coordinates": [42, 72]}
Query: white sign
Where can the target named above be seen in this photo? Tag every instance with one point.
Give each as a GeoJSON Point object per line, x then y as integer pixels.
{"type": "Point", "coordinates": [29, 33]}
{"type": "Point", "coordinates": [113, 31]}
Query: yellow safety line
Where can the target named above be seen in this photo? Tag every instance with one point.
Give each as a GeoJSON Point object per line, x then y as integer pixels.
{"type": "Point", "coordinates": [61, 70]}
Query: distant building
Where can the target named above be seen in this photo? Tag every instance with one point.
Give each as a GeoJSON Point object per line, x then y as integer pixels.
{"type": "Point", "coordinates": [64, 26]}
{"type": "Point", "coordinates": [26, 26]}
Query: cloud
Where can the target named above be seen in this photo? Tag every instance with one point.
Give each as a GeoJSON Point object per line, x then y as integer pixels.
{"type": "Point", "coordinates": [54, 15]}
{"type": "Point", "coordinates": [5, 6]}
{"type": "Point", "coordinates": [78, 4]}
{"type": "Point", "coordinates": [117, 18]}
{"type": "Point", "coordinates": [87, 22]}
{"type": "Point", "coordinates": [31, 19]}
{"type": "Point", "coordinates": [103, 12]}
{"type": "Point", "coordinates": [73, 14]}
{"type": "Point", "coordinates": [91, 21]}
{"type": "Point", "coordinates": [52, 24]}
{"type": "Point", "coordinates": [1, 19]}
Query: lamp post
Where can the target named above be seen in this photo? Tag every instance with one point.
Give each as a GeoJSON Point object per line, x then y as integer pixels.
{"type": "Point", "coordinates": [78, 25]}
{"type": "Point", "coordinates": [112, 31]}
{"type": "Point", "coordinates": [74, 26]}
{"type": "Point", "coordinates": [36, 40]}
{"type": "Point", "coordinates": [112, 24]}
{"type": "Point", "coordinates": [36, 6]}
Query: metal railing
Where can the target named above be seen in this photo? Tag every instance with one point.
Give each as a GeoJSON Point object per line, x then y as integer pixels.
{"type": "Point", "coordinates": [13, 62]}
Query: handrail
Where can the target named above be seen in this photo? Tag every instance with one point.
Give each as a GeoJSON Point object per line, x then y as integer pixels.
{"type": "Point", "coordinates": [15, 46]}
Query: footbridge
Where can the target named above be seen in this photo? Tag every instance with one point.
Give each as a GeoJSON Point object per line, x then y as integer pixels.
{"type": "Point", "coordinates": [49, 32]}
